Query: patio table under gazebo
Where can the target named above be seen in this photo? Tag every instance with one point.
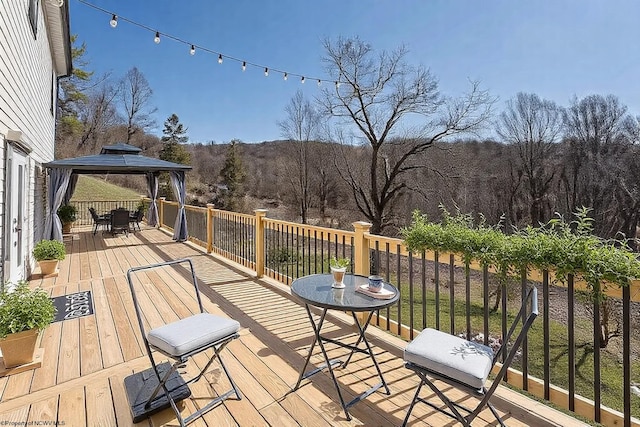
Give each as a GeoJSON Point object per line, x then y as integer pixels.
{"type": "Point", "coordinates": [113, 159]}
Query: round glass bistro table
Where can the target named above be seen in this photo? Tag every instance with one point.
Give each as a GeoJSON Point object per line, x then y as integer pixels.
{"type": "Point", "coordinates": [316, 290]}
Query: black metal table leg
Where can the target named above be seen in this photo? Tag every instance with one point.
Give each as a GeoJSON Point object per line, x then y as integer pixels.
{"type": "Point", "coordinates": [328, 362]}
{"type": "Point", "coordinates": [363, 338]}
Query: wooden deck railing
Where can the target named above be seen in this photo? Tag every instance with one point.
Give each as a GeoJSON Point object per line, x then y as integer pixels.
{"type": "Point", "coordinates": [437, 291]}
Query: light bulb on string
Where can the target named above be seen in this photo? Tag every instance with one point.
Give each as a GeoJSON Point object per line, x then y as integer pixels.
{"type": "Point", "coordinates": [192, 51]}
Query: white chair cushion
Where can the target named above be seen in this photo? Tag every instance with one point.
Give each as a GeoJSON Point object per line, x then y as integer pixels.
{"type": "Point", "coordinates": [192, 332]}
{"type": "Point", "coordinates": [450, 356]}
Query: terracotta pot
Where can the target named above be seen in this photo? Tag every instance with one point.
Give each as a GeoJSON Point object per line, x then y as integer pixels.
{"type": "Point", "coordinates": [66, 227]}
{"type": "Point", "coordinates": [18, 349]}
{"type": "Point", "coordinates": [48, 266]}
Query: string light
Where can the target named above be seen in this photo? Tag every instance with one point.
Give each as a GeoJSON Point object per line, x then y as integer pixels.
{"type": "Point", "coordinates": [338, 85]}
{"type": "Point", "coordinates": [115, 19]}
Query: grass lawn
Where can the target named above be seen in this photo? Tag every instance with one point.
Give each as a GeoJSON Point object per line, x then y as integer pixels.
{"type": "Point", "coordinates": [95, 189]}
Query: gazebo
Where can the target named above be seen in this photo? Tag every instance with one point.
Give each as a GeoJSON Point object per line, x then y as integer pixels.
{"type": "Point", "coordinates": [113, 159]}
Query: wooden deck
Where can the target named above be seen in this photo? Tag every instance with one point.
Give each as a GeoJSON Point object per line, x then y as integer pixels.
{"type": "Point", "coordinates": [86, 360]}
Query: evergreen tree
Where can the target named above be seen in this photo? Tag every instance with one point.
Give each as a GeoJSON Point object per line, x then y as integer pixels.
{"type": "Point", "coordinates": [172, 151]}
{"type": "Point", "coordinates": [233, 177]}
{"type": "Point", "coordinates": [174, 135]}
{"type": "Point", "coordinates": [72, 96]}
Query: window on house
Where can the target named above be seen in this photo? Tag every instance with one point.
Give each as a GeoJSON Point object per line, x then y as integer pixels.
{"type": "Point", "coordinates": [33, 16]}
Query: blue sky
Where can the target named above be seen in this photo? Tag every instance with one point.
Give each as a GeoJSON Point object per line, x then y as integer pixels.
{"type": "Point", "coordinates": [554, 48]}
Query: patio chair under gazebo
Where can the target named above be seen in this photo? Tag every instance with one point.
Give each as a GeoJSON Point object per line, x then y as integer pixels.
{"type": "Point", "coordinates": [113, 159]}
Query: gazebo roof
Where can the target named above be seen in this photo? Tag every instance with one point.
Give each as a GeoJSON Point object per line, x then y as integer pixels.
{"type": "Point", "coordinates": [119, 159]}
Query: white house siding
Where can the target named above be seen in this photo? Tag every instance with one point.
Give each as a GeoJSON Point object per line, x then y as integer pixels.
{"type": "Point", "coordinates": [26, 77]}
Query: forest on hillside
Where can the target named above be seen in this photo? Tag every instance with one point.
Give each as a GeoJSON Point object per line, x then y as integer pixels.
{"type": "Point", "coordinates": [381, 143]}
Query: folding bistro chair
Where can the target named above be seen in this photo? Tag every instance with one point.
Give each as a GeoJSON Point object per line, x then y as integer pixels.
{"type": "Point", "coordinates": [436, 355]}
{"type": "Point", "coordinates": [178, 340]}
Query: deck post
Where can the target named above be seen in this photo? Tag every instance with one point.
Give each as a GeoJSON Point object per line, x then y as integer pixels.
{"type": "Point", "coordinates": [161, 211]}
{"type": "Point", "coordinates": [210, 209]}
{"type": "Point", "coordinates": [260, 215]}
{"type": "Point", "coordinates": [361, 263]}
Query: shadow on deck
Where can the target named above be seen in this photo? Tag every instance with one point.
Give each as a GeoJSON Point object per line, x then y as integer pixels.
{"type": "Point", "coordinates": [86, 359]}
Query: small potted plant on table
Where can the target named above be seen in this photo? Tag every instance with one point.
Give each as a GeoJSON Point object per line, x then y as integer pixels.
{"type": "Point", "coordinates": [339, 269]}
{"type": "Point", "coordinates": [67, 214]}
{"type": "Point", "coordinates": [48, 253]}
{"type": "Point", "coordinates": [24, 313]}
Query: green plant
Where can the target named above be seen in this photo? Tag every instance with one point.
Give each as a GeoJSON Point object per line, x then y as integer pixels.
{"type": "Point", "coordinates": [67, 213]}
{"type": "Point", "coordinates": [282, 256]}
{"type": "Point", "coordinates": [339, 262]}
{"type": "Point", "coordinates": [564, 248]}
{"type": "Point", "coordinates": [49, 250]}
{"type": "Point", "coordinates": [142, 205]}
{"type": "Point", "coordinates": [23, 309]}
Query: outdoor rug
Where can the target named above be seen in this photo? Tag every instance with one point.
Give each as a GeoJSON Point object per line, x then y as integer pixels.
{"type": "Point", "coordinates": [74, 305]}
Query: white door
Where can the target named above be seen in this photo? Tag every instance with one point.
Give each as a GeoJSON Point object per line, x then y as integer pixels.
{"type": "Point", "coordinates": [16, 229]}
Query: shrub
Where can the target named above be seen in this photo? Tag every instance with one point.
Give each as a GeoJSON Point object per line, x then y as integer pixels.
{"type": "Point", "coordinates": [67, 213]}
{"type": "Point", "coordinates": [49, 250]}
{"type": "Point", "coordinates": [566, 248]}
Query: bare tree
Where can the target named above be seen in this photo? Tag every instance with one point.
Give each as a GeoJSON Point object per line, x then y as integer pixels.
{"type": "Point", "coordinates": [300, 126]}
{"type": "Point", "coordinates": [534, 127]}
{"type": "Point", "coordinates": [135, 94]}
{"type": "Point", "coordinates": [372, 104]}
{"type": "Point", "coordinates": [97, 116]}
{"type": "Point", "coordinates": [598, 133]}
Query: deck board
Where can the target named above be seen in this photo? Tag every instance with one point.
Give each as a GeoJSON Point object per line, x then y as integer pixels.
{"type": "Point", "coordinates": [46, 376]}
{"type": "Point", "coordinates": [86, 359]}
{"type": "Point", "coordinates": [69, 357]}
{"type": "Point", "coordinates": [90, 353]}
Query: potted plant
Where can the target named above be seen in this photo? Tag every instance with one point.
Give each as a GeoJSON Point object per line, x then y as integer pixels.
{"type": "Point", "coordinates": [23, 313]}
{"type": "Point", "coordinates": [339, 269]}
{"type": "Point", "coordinates": [48, 253]}
{"type": "Point", "coordinates": [67, 214]}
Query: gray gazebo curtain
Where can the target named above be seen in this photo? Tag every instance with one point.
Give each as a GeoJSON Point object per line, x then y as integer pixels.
{"type": "Point", "coordinates": [179, 190]}
{"type": "Point", "coordinates": [152, 189]}
{"type": "Point", "coordinates": [58, 183]}
{"type": "Point", "coordinates": [73, 181]}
